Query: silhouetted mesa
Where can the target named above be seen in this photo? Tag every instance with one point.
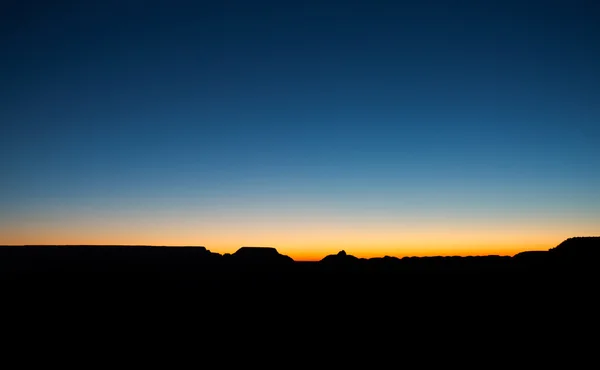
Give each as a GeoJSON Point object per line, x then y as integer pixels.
{"type": "Point", "coordinates": [574, 256]}
{"type": "Point", "coordinates": [578, 247]}
{"type": "Point", "coordinates": [261, 255]}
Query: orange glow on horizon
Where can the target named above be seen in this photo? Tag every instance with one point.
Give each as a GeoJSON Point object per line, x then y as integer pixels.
{"type": "Point", "coordinates": [313, 254]}
{"type": "Point", "coordinates": [315, 249]}
{"type": "Point", "coordinates": [302, 238]}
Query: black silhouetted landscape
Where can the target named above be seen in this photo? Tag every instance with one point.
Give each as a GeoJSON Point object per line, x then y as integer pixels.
{"type": "Point", "coordinates": [576, 256]}
{"type": "Point", "coordinates": [511, 301]}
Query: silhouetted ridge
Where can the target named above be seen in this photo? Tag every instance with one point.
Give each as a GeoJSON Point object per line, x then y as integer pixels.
{"type": "Point", "coordinates": [340, 258]}
{"type": "Point", "coordinates": [578, 247]}
{"type": "Point", "coordinates": [260, 255]}
{"type": "Point", "coordinates": [111, 259]}
{"type": "Point", "coordinates": [574, 256]}
{"type": "Point", "coordinates": [532, 258]}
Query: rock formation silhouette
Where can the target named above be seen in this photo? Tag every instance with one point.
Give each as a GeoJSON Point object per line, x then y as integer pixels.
{"type": "Point", "coordinates": [262, 255]}
{"type": "Point", "coordinates": [577, 255]}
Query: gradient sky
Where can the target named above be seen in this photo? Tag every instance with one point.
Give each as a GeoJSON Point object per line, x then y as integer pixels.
{"type": "Point", "coordinates": [378, 127]}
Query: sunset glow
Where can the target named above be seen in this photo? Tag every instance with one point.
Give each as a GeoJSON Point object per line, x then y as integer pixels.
{"type": "Point", "coordinates": [379, 128]}
{"type": "Point", "coordinates": [301, 236]}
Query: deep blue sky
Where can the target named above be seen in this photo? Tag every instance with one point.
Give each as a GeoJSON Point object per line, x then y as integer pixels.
{"type": "Point", "coordinates": [431, 104]}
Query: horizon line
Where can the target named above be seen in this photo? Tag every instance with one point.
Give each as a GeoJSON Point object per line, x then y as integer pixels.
{"type": "Point", "coordinates": [297, 260]}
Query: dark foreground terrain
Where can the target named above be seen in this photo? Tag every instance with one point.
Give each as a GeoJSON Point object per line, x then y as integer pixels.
{"type": "Point", "coordinates": [539, 304]}
{"type": "Point", "coordinates": [195, 264]}
{"type": "Point", "coordinates": [254, 271]}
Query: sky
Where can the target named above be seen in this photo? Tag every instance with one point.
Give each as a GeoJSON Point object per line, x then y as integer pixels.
{"type": "Point", "coordinates": [377, 127]}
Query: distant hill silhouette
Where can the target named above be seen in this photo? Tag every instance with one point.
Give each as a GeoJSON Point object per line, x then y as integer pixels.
{"type": "Point", "coordinates": [194, 261]}
{"type": "Point", "coordinates": [578, 247]}
{"type": "Point", "coordinates": [261, 255]}
{"type": "Point", "coordinates": [255, 286]}
{"type": "Point", "coordinates": [341, 257]}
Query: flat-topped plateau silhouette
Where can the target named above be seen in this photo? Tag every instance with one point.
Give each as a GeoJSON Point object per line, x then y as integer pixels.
{"type": "Point", "coordinates": [575, 255]}
{"type": "Point", "coordinates": [254, 286]}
